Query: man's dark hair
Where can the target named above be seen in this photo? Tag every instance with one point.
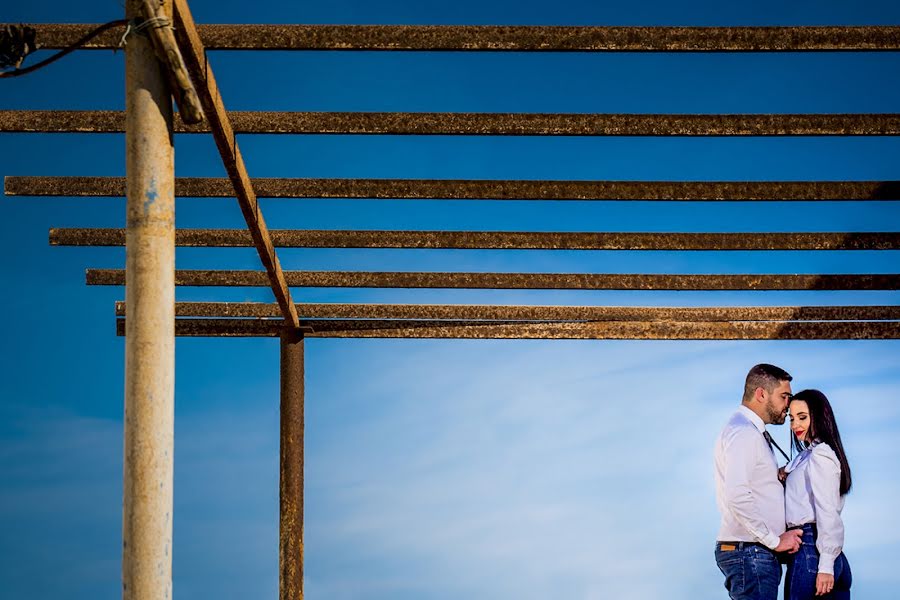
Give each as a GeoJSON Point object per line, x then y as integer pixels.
{"type": "Point", "coordinates": [764, 376]}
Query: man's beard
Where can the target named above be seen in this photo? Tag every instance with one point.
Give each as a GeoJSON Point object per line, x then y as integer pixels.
{"type": "Point", "coordinates": [776, 417]}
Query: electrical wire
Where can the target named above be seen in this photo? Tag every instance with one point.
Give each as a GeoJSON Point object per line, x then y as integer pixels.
{"type": "Point", "coordinates": [84, 40]}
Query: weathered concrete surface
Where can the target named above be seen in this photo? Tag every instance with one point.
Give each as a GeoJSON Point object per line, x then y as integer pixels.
{"type": "Point", "coordinates": [150, 332]}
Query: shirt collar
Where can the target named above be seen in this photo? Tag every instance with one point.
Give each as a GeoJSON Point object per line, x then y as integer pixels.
{"type": "Point", "coordinates": [752, 417]}
{"type": "Point", "coordinates": [795, 462]}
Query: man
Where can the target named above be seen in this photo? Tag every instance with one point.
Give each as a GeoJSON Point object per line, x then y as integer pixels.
{"type": "Point", "coordinates": [749, 495]}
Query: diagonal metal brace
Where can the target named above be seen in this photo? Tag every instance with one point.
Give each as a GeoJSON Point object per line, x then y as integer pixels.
{"type": "Point", "coordinates": [219, 123]}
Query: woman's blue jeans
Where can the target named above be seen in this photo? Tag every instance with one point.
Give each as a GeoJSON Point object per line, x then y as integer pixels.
{"type": "Point", "coordinates": [802, 568]}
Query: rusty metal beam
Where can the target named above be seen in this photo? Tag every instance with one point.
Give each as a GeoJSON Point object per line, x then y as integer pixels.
{"type": "Point", "coordinates": [291, 467]}
{"type": "Point", "coordinates": [511, 38]}
{"type": "Point", "coordinates": [499, 240]}
{"type": "Point", "coordinates": [458, 189]}
{"type": "Point", "coordinates": [536, 124]}
{"type": "Point", "coordinates": [609, 330]}
{"type": "Point", "coordinates": [510, 281]}
{"type": "Point", "coordinates": [219, 123]}
{"type": "Point", "coordinates": [472, 312]}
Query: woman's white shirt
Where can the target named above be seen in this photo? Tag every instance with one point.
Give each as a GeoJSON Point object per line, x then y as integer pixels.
{"type": "Point", "coordinates": [812, 495]}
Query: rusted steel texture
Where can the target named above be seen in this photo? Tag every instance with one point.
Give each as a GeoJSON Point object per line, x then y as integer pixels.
{"type": "Point", "coordinates": [457, 189]}
{"type": "Point", "coordinates": [500, 240]}
{"type": "Point", "coordinates": [219, 123]}
{"type": "Point", "coordinates": [610, 330]}
{"type": "Point", "coordinates": [474, 312]}
{"type": "Point", "coordinates": [510, 38]}
{"type": "Point", "coordinates": [537, 124]}
{"type": "Point", "coordinates": [510, 281]}
{"type": "Point", "coordinates": [290, 487]}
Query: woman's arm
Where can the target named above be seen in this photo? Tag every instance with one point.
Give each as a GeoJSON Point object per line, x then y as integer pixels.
{"type": "Point", "coordinates": [825, 480]}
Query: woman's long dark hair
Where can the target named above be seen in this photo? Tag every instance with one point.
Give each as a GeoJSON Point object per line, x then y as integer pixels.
{"type": "Point", "coordinates": [823, 428]}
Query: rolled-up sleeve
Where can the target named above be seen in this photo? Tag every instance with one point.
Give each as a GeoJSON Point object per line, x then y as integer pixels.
{"type": "Point", "coordinates": [825, 482]}
{"type": "Point", "coordinates": [741, 450]}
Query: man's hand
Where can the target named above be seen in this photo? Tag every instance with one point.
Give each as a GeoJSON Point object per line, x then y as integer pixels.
{"type": "Point", "coordinates": [824, 583]}
{"type": "Point", "coordinates": [790, 541]}
{"type": "Point", "coordinates": [782, 475]}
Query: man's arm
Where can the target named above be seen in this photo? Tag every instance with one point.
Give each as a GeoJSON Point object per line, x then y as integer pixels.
{"type": "Point", "coordinates": [740, 450]}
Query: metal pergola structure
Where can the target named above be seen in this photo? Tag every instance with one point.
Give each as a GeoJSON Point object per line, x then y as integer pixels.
{"type": "Point", "coordinates": [154, 318]}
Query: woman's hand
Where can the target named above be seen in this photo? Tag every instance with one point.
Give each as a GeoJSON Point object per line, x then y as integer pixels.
{"type": "Point", "coordinates": [782, 474]}
{"type": "Point", "coordinates": [824, 583]}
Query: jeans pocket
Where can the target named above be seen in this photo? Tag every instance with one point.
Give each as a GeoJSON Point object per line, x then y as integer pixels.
{"type": "Point", "coordinates": [729, 558]}
{"type": "Point", "coordinates": [767, 571]}
{"type": "Point", "coordinates": [731, 564]}
{"type": "Point", "coordinates": [764, 555]}
{"type": "Point", "coordinates": [811, 562]}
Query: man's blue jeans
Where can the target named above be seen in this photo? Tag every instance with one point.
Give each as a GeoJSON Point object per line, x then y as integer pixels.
{"type": "Point", "coordinates": [752, 571]}
{"type": "Point", "coordinates": [800, 583]}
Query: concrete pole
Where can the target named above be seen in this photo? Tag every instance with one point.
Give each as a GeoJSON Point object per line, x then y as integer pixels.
{"type": "Point", "coordinates": [150, 324]}
{"type": "Point", "coordinates": [290, 539]}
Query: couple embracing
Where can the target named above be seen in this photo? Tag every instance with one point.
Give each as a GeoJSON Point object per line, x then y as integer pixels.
{"type": "Point", "coordinates": [790, 515]}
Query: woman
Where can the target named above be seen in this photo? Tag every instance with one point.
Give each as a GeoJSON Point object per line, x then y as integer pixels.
{"type": "Point", "coordinates": [817, 481]}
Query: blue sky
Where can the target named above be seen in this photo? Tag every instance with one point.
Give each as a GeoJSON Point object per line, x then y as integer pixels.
{"type": "Point", "coordinates": [439, 469]}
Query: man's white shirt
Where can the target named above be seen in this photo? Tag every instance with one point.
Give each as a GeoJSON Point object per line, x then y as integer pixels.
{"type": "Point", "coordinates": [749, 495]}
